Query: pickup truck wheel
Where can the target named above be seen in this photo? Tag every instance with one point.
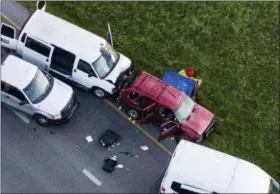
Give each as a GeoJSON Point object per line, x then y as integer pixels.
{"type": "Point", "coordinates": [134, 114]}
{"type": "Point", "coordinates": [98, 92]}
{"type": "Point", "coordinates": [41, 120]}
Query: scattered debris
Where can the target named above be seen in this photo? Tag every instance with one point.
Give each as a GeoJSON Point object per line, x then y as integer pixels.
{"type": "Point", "coordinates": [127, 170]}
{"type": "Point", "coordinates": [89, 139]}
{"type": "Point", "coordinates": [52, 133]}
{"type": "Point", "coordinates": [144, 148]}
{"type": "Point", "coordinates": [130, 154]}
{"type": "Point", "coordinates": [127, 153]}
{"type": "Point", "coordinates": [119, 166]}
{"type": "Point", "coordinates": [110, 164]}
{"type": "Point", "coordinates": [109, 139]}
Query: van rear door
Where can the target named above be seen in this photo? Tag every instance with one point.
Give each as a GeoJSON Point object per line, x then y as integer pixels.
{"type": "Point", "coordinates": [8, 36]}
{"type": "Point", "coordinates": [37, 52]}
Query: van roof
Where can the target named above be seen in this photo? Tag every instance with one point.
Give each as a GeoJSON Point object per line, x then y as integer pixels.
{"type": "Point", "coordinates": [214, 171]}
{"type": "Point", "coordinates": [17, 72]}
{"type": "Point", "coordinates": [61, 33]}
{"type": "Point", "coordinates": [155, 89]}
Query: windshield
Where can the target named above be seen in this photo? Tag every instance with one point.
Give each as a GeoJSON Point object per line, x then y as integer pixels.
{"type": "Point", "coordinates": [38, 87]}
{"type": "Point", "coordinates": [185, 109]}
{"type": "Point", "coordinates": [274, 187]}
{"type": "Point", "coordinates": [107, 61]}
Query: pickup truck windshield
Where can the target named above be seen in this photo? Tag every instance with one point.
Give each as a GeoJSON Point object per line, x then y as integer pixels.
{"type": "Point", "coordinates": [274, 187]}
{"type": "Point", "coordinates": [184, 109]}
{"type": "Point", "coordinates": [107, 61]}
{"type": "Point", "coordinates": [39, 87]}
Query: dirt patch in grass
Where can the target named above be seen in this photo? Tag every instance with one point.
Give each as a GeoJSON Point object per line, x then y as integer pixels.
{"type": "Point", "coordinates": [234, 47]}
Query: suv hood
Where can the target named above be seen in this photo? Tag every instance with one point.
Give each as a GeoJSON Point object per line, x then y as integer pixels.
{"type": "Point", "coordinates": [199, 119]}
{"type": "Point", "coordinates": [123, 64]}
{"type": "Point", "coordinates": [57, 99]}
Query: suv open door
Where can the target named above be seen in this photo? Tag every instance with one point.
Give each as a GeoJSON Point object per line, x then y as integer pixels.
{"type": "Point", "coordinates": [148, 113]}
{"type": "Point", "coordinates": [8, 36]}
{"type": "Point", "coordinates": [169, 128]}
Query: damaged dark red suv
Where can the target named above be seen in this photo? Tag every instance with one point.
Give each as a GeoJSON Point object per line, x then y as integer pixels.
{"type": "Point", "coordinates": [148, 99]}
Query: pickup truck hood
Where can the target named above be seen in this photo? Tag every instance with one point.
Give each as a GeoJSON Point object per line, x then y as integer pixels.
{"type": "Point", "coordinates": [123, 64]}
{"type": "Point", "coordinates": [199, 119]}
{"type": "Point", "coordinates": [57, 99]}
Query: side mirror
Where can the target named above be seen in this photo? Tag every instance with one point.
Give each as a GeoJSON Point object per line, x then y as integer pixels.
{"type": "Point", "coordinates": [90, 74]}
{"type": "Point", "coordinates": [41, 5]}
{"type": "Point", "coordinates": [23, 103]}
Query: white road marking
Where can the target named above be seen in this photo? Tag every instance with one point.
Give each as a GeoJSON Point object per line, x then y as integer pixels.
{"type": "Point", "coordinates": [22, 116]}
{"type": "Point", "coordinates": [91, 177]}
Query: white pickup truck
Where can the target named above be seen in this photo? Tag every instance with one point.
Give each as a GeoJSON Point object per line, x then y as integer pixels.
{"type": "Point", "coordinates": [26, 88]}
{"type": "Point", "coordinates": [68, 52]}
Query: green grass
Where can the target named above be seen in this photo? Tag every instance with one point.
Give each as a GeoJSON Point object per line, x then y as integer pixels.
{"type": "Point", "coordinates": [233, 46]}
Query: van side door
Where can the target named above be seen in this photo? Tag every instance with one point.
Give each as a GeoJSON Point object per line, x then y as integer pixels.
{"type": "Point", "coordinates": [37, 52]}
{"type": "Point", "coordinates": [13, 97]}
{"type": "Point", "coordinates": [83, 74]}
{"type": "Point", "coordinates": [62, 64]}
{"type": "Point", "coordinates": [8, 36]}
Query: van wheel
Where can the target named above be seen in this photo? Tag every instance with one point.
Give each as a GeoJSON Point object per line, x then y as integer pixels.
{"type": "Point", "coordinates": [134, 114]}
{"type": "Point", "coordinates": [41, 120]}
{"type": "Point", "coordinates": [98, 92]}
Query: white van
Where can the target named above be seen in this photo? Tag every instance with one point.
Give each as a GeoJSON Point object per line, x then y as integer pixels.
{"type": "Point", "coordinates": [26, 88]}
{"type": "Point", "coordinates": [68, 52]}
{"type": "Point", "coordinates": [197, 169]}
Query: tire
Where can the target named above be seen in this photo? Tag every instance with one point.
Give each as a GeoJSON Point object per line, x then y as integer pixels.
{"type": "Point", "coordinates": [200, 140]}
{"type": "Point", "coordinates": [182, 137]}
{"type": "Point", "coordinates": [134, 114]}
{"type": "Point", "coordinates": [98, 92]}
{"type": "Point", "coordinates": [41, 120]}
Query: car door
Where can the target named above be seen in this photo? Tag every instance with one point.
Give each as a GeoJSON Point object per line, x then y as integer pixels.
{"type": "Point", "coordinates": [148, 113]}
{"type": "Point", "coordinates": [13, 97]}
{"type": "Point", "coordinates": [84, 74]}
{"type": "Point", "coordinates": [109, 37]}
{"type": "Point", "coordinates": [37, 52]}
{"type": "Point", "coordinates": [169, 128]}
{"type": "Point", "coordinates": [8, 36]}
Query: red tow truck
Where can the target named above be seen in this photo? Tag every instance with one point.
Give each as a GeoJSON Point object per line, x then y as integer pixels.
{"type": "Point", "coordinates": [148, 99]}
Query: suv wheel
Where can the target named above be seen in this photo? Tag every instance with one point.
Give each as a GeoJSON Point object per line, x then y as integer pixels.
{"type": "Point", "coordinates": [134, 114]}
{"type": "Point", "coordinates": [42, 120]}
{"type": "Point", "coordinates": [199, 141]}
{"type": "Point", "coordinates": [98, 92]}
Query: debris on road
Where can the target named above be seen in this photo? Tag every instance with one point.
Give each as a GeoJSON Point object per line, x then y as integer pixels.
{"type": "Point", "coordinates": [89, 139]}
{"type": "Point", "coordinates": [109, 139]}
{"type": "Point", "coordinates": [127, 170]}
{"type": "Point", "coordinates": [144, 148]}
{"type": "Point", "coordinates": [130, 154]}
{"type": "Point", "coordinates": [110, 164]}
{"type": "Point", "coordinates": [119, 166]}
{"type": "Point", "coordinates": [127, 153]}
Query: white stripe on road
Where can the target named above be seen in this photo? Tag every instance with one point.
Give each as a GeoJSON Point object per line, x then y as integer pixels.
{"type": "Point", "coordinates": [23, 117]}
{"type": "Point", "coordinates": [91, 177]}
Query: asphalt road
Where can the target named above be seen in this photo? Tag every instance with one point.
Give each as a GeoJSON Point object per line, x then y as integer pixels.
{"type": "Point", "coordinates": [33, 160]}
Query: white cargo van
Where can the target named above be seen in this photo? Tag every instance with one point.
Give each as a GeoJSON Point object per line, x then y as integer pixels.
{"type": "Point", "coordinates": [26, 88]}
{"type": "Point", "coordinates": [197, 169]}
{"type": "Point", "coordinates": [68, 52]}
